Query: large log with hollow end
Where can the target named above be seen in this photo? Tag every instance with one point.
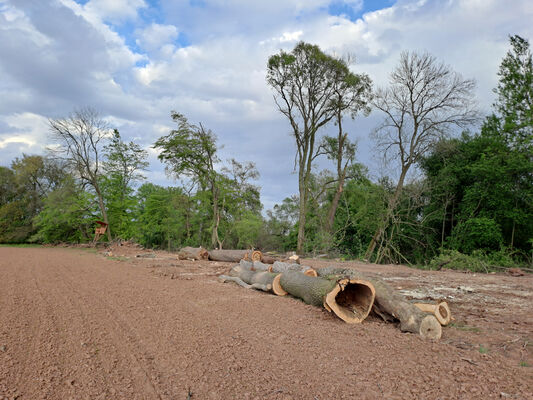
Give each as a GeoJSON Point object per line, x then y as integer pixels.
{"type": "Point", "coordinates": [281, 267]}
{"type": "Point", "coordinates": [350, 299]}
{"type": "Point", "coordinates": [193, 253]}
{"type": "Point", "coordinates": [234, 255]}
{"type": "Point", "coordinates": [258, 277]}
{"type": "Point", "coordinates": [390, 303]}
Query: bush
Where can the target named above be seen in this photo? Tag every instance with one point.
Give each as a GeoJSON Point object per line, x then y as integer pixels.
{"type": "Point", "coordinates": [476, 233]}
{"type": "Point", "coordinates": [478, 261]}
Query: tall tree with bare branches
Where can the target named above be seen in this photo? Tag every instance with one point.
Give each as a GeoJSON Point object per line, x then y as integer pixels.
{"type": "Point", "coordinates": [80, 138]}
{"type": "Point", "coordinates": [424, 101]}
{"type": "Point", "coordinates": [307, 84]}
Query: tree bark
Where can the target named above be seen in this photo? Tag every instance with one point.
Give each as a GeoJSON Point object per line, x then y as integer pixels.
{"type": "Point", "coordinates": [234, 255]}
{"type": "Point", "coordinates": [240, 282]}
{"type": "Point", "coordinates": [258, 277]}
{"type": "Point", "coordinates": [281, 267]}
{"type": "Point", "coordinates": [193, 253]}
{"type": "Point", "coordinates": [389, 303]}
{"type": "Point", "coordinates": [350, 299]}
{"type": "Point", "coordinates": [103, 210]}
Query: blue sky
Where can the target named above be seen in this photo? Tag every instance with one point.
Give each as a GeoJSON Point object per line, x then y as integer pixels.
{"type": "Point", "coordinates": [136, 60]}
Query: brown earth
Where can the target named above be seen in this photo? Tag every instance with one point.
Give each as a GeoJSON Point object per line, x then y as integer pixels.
{"type": "Point", "coordinates": [81, 324]}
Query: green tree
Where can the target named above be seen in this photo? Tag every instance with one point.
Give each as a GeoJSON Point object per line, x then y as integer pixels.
{"type": "Point", "coordinates": [68, 215]}
{"type": "Point", "coordinates": [307, 85]}
{"type": "Point", "coordinates": [123, 165]}
{"type": "Point", "coordinates": [515, 95]}
{"type": "Point", "coordinates": [190, 151]}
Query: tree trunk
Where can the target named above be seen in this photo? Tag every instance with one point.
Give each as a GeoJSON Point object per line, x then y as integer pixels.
{"type": "Point", "coordinates": [391, 207]}
{"type": "Point", "coordinates": [258, 277]}
{"type": "Point", "coordinates": [391, 304]}
{"type": "Point", "coordinates": [234, 255]}
{"type": "Point", "coordinates": [350, 299]}
{"type": "Point", "coordinates": [103, 210]}
{"type": "Point", "coordinates": [301, 220]}
{"type": "Point", "coordinates": [333, 207]}
{"type": "Point", "coordinates": [281, 267]}
{"type": "Point", "coordinates": [193, 253]}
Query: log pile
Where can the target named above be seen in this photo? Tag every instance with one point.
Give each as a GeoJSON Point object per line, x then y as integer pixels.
{"type": "Point", "coordinates": [345, 292]}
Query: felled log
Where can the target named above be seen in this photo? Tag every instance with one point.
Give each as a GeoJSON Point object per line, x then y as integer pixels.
{"type": "Point", "coordinates": [234, 255]}
{"type": "Point", "coordinates": [193, 253]}
{"type": "Point", "coordinates": [441, 311]}
{"type": "Point", "coordinates": [350, 299]}
{"type": "Point", "coordinates": [240, 282]}
{"type": "Point", "coordinates": [261, 277]}
{"type": "Point", "coordinates": [391, 305]}
{"type": "Point", "coordinates": [281, 267]}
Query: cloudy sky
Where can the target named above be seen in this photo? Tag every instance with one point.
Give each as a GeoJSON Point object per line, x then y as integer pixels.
{"type": "Point", "coordinates": [136, 60]}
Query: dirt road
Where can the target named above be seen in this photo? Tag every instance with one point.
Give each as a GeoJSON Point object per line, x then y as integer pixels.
{"type": "Point", "coordinates": [77, 325]}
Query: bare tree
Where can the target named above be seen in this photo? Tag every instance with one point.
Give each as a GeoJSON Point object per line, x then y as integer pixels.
{"type": "Point", "coordinates": [424, 101]}
{"type": "Point", "coordinates": [80, 138]}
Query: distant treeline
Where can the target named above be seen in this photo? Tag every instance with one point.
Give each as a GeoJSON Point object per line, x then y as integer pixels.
{"type": "Point", "coordinates": [472, 207]}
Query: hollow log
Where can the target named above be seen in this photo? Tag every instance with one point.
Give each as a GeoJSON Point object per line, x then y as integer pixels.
{"type": "Point", "coordinates": [261, 277]}
{"type": "Point", "coordinates": [441, 311]}
{"type": "Point", "coordinates": [230, 255]}
{"type": "Point", "coordinates": [390, 303]}
{"type": "Point", "coordinates": [350, 299]}
{"type": "Point", "coordinates": [281, 267]}
{"type": "Point", "coordinates": [193, 253]}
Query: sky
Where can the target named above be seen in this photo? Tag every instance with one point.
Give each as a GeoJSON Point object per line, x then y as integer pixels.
{"type": "Point", "coordinates": [137, 60]}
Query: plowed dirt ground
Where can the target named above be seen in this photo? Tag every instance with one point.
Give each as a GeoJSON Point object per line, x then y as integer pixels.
{"type": "Point", "coordinates": [86, 324]}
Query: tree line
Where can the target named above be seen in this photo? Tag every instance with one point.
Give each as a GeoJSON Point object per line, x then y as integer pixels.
{"type": "Point", "coordinates": [470, 199]}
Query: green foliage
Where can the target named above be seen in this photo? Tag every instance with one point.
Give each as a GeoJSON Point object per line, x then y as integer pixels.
{"type": "Point", "coordinates": [248, 229]}
{"type": "Point", "coordinates": [161, 217]}
{"type": "Point", "coordinates": [476, 234]}
{"type": "Point", "coordinates": [68, 215]}
{"type": "Point", "coordinates": [515, 94]}
{"type": "Point", "coordinates": [123, 165]}
{"type": "Point", "coordinates": [478, 261]}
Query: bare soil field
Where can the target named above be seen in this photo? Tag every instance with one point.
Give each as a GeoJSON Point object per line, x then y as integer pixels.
{"type": "Point", "coordinates": [84, 324]}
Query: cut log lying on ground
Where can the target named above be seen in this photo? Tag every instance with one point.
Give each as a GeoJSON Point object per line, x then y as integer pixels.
{"type": "Point", "coordinates": [234, 255]}
{"type": "Point", "coordinates": [281, 267]}
{"type": "Point", "coordinates": [391, 305]}
{"type": "Point", "coordinates": [239, 281]}
{"type": "Point", "coordinates": [261, 277]}
{"type": "Point", "coordinates": [441, 311]}
{"type": "Point", "coordinates": [350, 299]}
{"type": "Point", "coordinates": [193, 253]}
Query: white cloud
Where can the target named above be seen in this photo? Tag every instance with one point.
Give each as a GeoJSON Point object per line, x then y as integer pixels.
{"type": "Point", "coordinates": [155, 36]}
{"type": "Point", "coordinates": [115, 10]}
{"type": "Point", "coordinates": [58, 55]}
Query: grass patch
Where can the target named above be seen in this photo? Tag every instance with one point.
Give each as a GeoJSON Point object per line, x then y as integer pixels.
{"type": "Point", "coordinates": [524, 364]}
{"type": "Point", "coordinates": [462, 326]}
{"type": "Point", "coordinates": [483, 349]}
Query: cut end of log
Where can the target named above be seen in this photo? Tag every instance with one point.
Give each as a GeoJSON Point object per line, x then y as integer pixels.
{"type": "Point", "coordinates": [310, 272]}
{"type": "Point", "coordinates": [351, 300]}
{"type": "Point", "coordinates": [256, 255]}
{"type": "Point", "coordinates": [430, 328]}
{"type": "Point", "coordinates": [276, 286]}
{"type": "Point", "coordinates": [441, 311]}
